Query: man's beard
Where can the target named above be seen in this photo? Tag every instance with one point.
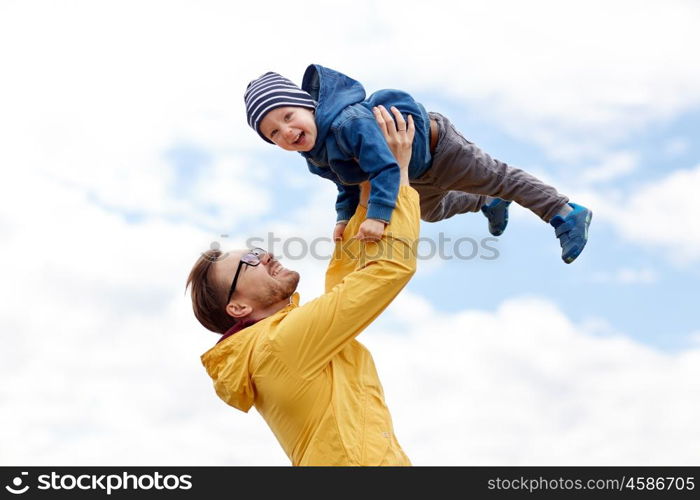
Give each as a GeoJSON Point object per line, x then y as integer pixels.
{"type": "Point", "coordinates": [280, 290]}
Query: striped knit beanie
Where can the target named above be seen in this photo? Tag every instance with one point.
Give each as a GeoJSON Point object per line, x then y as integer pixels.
{"type": "Point", "coordinates": [272, 91]}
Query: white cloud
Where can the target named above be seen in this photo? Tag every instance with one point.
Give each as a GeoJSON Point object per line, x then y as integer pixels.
{"type": "Point", "coordinates": [524, 385]}
{"type": "Point", "coordinates": [561, 75]}
{"type": "Point", "coordinates": [614, 166]}
{"type": "Point", "coordinates": [104, 105]}
{"type": "Point", "coordinates": [663, 214]}
{"type": "Point", "coordinates": [100, 348]}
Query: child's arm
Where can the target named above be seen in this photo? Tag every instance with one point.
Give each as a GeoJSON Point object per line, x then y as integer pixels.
{"type": "Point", "coordinates": [341, 225]}
{"type": "Point", "coordinates": [346, 202]}
{"type": "Point", "coordinates": [372, 229]}
{"type": "Point", "coordinates": [345, 206]}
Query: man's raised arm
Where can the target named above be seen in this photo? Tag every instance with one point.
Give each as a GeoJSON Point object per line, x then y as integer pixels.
{"type": "Point", "coordinates": [315, 332]}
{"type": "Point", "coordinates": [347, 250]}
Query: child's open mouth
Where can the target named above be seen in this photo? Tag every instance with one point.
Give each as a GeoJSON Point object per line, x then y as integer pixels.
{"type": "Point", "coordinates": [300, 139]}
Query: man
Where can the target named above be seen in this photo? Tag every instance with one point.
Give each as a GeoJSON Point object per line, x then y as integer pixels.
{"type": "Point", "coordinates": [300, 366]}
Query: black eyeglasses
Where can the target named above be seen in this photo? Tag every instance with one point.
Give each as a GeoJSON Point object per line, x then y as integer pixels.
{"type": "Point", "coordinates": [252, 258]}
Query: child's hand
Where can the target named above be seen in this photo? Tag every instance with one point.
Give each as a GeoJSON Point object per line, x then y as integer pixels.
{"type": "Point", "coordinates": [339, 230]}
{"type": "Point", "coordinates": [371, 230]}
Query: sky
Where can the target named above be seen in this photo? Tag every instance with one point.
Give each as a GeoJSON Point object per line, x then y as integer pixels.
{"type": "Point", "coordinates": [125, 153]}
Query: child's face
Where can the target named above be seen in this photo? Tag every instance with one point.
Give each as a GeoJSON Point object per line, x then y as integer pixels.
{"type": "Point", "coordinates": [291, 128]}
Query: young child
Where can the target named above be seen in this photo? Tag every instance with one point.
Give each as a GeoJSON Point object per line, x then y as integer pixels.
{"type": "Point", "coordinates": [330, 122]}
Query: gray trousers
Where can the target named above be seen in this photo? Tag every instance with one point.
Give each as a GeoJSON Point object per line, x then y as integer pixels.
{"type": "Point", "coordinates": [463, 176]}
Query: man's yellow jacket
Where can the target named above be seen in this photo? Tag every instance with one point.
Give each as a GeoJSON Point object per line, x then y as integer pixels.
{"type": "Point", "coordinates": [313, 383]}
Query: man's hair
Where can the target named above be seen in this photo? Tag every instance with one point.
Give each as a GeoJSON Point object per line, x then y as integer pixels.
{"type": "Point", "coordinates": [208, 299]}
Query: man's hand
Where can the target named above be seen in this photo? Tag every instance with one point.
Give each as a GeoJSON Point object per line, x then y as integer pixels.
{"type": "Point", "coordinates": [339, 230]}
{"type": "Point", "coordinates": [399, 137]}
{"type": "Point", "coordinates": [371, 230]}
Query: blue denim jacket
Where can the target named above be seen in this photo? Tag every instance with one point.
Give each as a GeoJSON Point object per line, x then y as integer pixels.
{"type": "Point", "coordinates": [350, 147]}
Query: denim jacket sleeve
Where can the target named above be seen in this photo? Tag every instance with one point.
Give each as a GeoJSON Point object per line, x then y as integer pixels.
{"type": "Point", "coordinates": [360, 136]}
{"type": "Point", "coordinates": [347, 201]}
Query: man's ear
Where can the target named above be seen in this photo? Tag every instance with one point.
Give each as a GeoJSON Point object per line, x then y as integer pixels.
{"type": "Point", "coordinates": [238, 309]}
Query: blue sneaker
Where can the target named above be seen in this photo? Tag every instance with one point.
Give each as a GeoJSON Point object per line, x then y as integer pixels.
{"type": "Point", "coordinates": [572, 231]}
{"type": "Point", "coordinates": [497, 214]}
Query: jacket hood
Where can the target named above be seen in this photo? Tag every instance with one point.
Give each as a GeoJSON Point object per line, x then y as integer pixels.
{"type": "Point", "coordinates": [228, 364]}
{"type": "Point", "coordinates": [333, 92]}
